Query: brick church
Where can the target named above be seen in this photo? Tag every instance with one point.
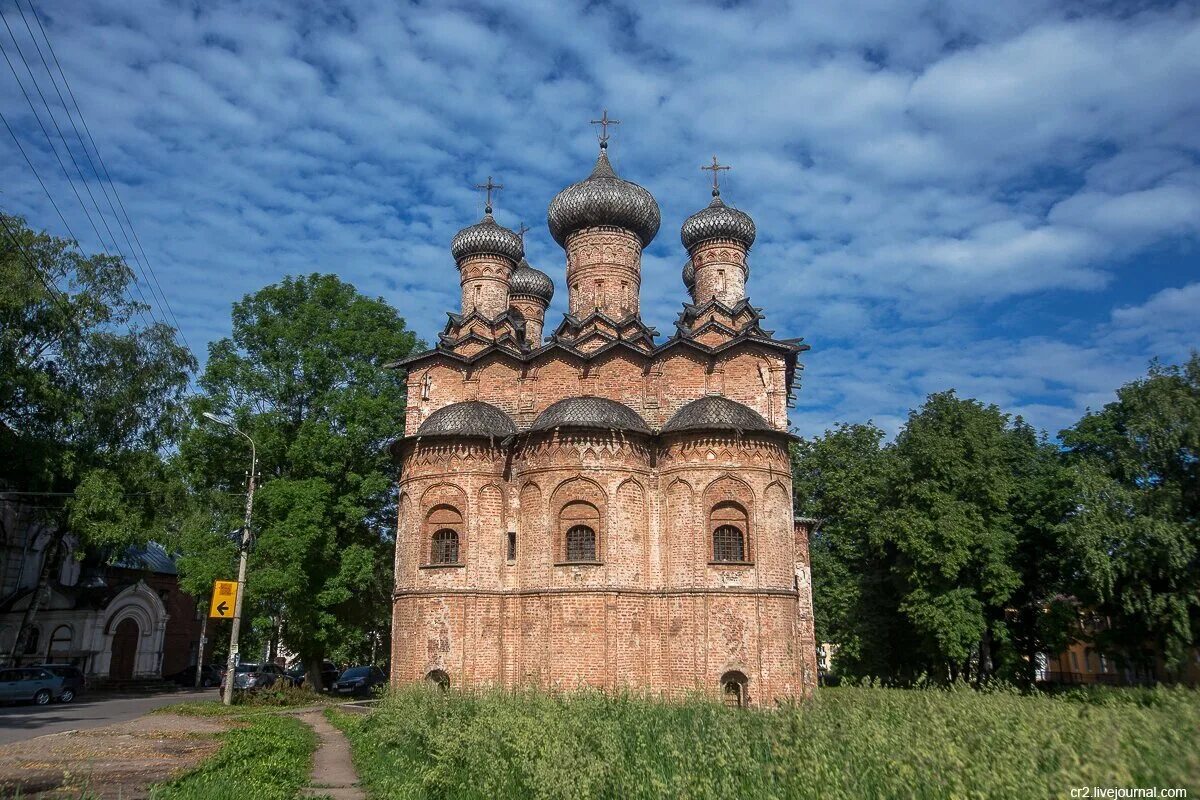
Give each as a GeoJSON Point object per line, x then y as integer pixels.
{"type": "Point", "coordinates": [594, 507]}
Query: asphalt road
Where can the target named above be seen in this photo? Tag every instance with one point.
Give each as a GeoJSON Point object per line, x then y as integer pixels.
{"type": "Point", "coordinates": [20, 722]}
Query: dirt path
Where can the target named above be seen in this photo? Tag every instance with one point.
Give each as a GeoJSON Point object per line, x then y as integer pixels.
{"type": "Point", "coordinates": [333, 773]}
{"type": "Point", "coordinates": [117, 761]}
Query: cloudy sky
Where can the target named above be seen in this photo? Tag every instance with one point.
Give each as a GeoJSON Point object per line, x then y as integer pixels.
{"type": "Point", "coordinates": [999, 197]}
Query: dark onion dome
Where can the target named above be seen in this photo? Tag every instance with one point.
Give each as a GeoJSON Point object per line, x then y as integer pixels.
{"type": "Point", "coordinates": [717, 221]}
{"type": "Point", "coordinates": [486, 237]}
{"type": "Point", "coordinates": [603, 199]}
{"type": "Point", "coordinates": [529, 281]}
{"type": "Point", "coordinates": [689, 277]}
{"type": "Point", "coordinates": [716, 414]}
{"type": "Point", "coordinates": [471, 418]}
{"type": "Point", "coordinates": [590, 412]}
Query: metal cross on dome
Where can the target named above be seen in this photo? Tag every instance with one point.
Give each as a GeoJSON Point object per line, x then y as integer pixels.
{"type": "Point", "coordinates": [488, 187]}
{"type": "Point", "coordinates": [716, 171]}
{"type": "Point", "coordinates": [604, 122]}
{"type": "Point", "coordinates": [522, 230]}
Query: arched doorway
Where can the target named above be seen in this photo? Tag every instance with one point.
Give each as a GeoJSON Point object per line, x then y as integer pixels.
{"type": "Point", "coordinates": [124, 649]}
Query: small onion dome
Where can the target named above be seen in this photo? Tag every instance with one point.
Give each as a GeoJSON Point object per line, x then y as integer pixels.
{"type": "Point", "coordinates": [529, 281]}
{"type": "Point", "coordinates": [717, 221]}
{"type": "Point", "coordinates": [689, 277]}
{"type": "Point", "coordinates": [716, 414]}
{"type": "Point", "coordinates": [590, 412]}
{"type": "Point", "coordinates": [471, 418]}
{"type": "Point", "coordinates": [486, 237]}
{"type": "Point", "coordinates": [603, 199]}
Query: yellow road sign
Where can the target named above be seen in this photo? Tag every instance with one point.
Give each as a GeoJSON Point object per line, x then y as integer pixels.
{"type": "Point", "coordinates": [224, 598]}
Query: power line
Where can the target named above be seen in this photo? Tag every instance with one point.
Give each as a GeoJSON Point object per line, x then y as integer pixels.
{"type": "Point", "coordinates": [148, 267]}
{"type": "Point", "coordinates": [61, 164]}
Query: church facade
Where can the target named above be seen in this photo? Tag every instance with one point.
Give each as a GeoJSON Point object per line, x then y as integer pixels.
{"type": "Point", "coordinates": [594, 507]}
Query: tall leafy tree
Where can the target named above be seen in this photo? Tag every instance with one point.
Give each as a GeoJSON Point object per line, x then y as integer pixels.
{"type": "Point", "coordinates": [840, 480]}
{"type": "Point", "coordinates": [1138, 460]}
{"type": "Point", "coordinates": [304, 375]}
{"type": "Point", "coordinates": [89, 399]}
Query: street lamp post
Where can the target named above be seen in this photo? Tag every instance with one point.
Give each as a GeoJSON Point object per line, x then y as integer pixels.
{"type": "Point", "coordinates": [227, 699]}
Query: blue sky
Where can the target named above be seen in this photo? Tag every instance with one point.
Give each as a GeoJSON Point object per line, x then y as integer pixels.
{"type": "Point", "coordinates": [1003, 198]}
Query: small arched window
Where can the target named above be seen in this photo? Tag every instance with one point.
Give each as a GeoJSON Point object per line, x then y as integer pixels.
{"type": "Point", "coordinates": [581, 543]}
{"type": "Point", "coordinates": [729, 544]}
{"type": "Point", "coordinates": [728, 525]}
{"type": "Point", "coordinates": [60, 641]}
{"type": "Point", "coordinates": [438, 678]}
{"type": "Point", "coordinates": [444, 547]}
{"type": "Point", "coordinates": [444, 536]}
{"type": "Point", "coordinates": [733, 689]}
{"type": "Point", "coordinates": [579, 527]}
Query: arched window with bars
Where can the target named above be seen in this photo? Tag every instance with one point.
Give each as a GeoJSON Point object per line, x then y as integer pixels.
{"type": "Point", "coordinates": [444, 537]}
{"type": "Point", "coordinates": [580, 525]}
{"type": "Point", "coordinates": [733, 689]}
{"type": "Point", "coordinates": [728, 526]}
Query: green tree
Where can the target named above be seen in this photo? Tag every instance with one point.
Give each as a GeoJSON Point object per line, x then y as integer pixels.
{"type": "Point", "coordinates": [950, 532]}
{"type": "Point", "coordinates": [304, 374]}
{"type": "Point", "coordinates": [840, 480]}
{"type": "Point", "coordinates": [1139, 465]}
{"type": "Point", "coordinates": [89, 400]}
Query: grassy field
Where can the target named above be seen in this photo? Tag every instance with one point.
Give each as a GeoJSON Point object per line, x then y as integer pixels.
{"type": "Point", "coordinates": [849, 743]}
{"type": "Point", "coordinates": [266, 757]}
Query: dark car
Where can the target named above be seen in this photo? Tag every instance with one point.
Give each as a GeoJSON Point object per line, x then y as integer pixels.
{"type": "Point", "coordinates": [73, 680]}
{"type": "Point", "coordinates": [360, 681]}
{"type": "Point", "coordinates": [329, 675]}
{"type": "Point", "coordinates": [211, 675]}
{"type": "Point", "coordinates": [30, 684]}
{"type": "Point", "coordinates": [249, 677]}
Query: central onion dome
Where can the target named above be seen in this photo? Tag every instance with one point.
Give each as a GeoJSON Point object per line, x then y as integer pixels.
{"type": "Point", "coordinates": [717, 221]}
{"type": "Point", "coordinates": [590, 412]}
{"type": "Point", "coordinates": [470, 418]}
{"type": "Point", "coordinates": [486, 238]}
{"type": "Point", "coordinates": [529, 281]}
{"type": "Point", "coordinates": [603, 199]}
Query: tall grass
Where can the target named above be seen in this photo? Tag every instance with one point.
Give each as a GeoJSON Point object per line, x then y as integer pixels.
{"type": "Point", "coordinates": [848, 743]}
{"type": "Point", "coordinates": [267, 759]}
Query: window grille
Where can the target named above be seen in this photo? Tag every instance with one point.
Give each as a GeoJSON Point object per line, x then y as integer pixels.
{"type": "Point", "coordinates": [733, 689]}
{"type": "Point", "coordinates": [728, 544]}
{"type": "Point", "coordinates": [445, 547]}
{"type": "Point", "coordinates": [581, 544]}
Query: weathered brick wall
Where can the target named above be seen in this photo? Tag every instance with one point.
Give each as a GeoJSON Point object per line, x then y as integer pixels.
{"type": "Point", "coordinates": [720, 270]}
{"type": "Point", "coordinates": [655, 613]}
{"type": "Point", "coordinates": [484, 282]}
{"type": "Point", "coordinates": [534, 312]}
{"type": "Point", "coordinates": [604, 271]}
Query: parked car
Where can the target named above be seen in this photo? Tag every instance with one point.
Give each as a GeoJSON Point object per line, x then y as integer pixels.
{"type": "Point", "coordinates": [212, 675]}
{"type": "Point", "coordinates": [360, 681]}
{"type": "Point", "coordinates": [249, 677]}
{"type": "Point", "coordinates": [30, 684]}
{"type": "Point", "coordinates": [329, 675]}
{"type": "Point", "coordinates": [73, 680]}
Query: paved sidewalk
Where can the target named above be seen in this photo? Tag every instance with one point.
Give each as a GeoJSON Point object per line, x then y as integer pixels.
{"type": "Point", "coordinates": [333, 773]}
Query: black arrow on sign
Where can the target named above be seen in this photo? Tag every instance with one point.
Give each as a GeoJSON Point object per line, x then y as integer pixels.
{"type": "Point", "coordinates": [222, 607]}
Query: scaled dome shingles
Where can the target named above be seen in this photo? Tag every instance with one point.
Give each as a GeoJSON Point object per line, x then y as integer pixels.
{"type": "Point", "coordinates": [486, 237]}
{"type": "Point", "coordinates": [526, 280]}
{"type": "Point", "coordinates": [603, 199]}
{"type": "Point", "coordinates": [590, 412]}
{"type": "Point", "coordinates": [717, 413]}
{"type": "Point", "coordinates": [717, 221]}
{"type": "Point", "coordinates": [470, 418]}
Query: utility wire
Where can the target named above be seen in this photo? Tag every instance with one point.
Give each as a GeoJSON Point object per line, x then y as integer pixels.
{"type": "Point", "coordinates": [144, 261]}
{"type": "Point", "coordinates": [66, 173]}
